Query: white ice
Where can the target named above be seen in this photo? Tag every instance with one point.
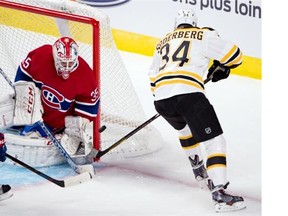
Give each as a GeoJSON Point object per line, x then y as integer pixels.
{"type": "Point", "coordinates": [161, 183]}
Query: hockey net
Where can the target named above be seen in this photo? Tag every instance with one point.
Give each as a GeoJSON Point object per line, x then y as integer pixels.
{"type": "Point", "coordinates": [28, 24]}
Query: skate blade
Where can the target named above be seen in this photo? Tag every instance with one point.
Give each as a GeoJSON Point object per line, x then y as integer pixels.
{"type": "Point", "coordinates": [223, 207]}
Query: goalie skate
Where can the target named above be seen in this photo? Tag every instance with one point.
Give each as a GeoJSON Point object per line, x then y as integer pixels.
{"type": "Point", "coordinates": [5, 192]}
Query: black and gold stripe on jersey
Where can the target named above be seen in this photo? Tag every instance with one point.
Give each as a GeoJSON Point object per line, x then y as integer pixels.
{"type": "Point", "coordinates": [177, 77]}
{"type": "Point", "coordinates": [233, 58]}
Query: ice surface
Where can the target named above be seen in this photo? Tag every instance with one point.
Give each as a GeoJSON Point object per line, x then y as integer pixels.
{"type": "Point", "coordinates": [158, 184]}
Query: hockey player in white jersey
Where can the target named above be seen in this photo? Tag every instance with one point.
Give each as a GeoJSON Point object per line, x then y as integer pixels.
{"type": "Point", "coordinates": [5, 190]}
{"type": "Point", "coordinates": [180, 62]}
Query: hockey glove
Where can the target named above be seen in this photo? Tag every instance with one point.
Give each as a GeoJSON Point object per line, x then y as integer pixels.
{"type": "Point", "coordinates": [28, 105]}
{"type": "Point", "coordinates": [78, 129]}
{"type": "Point", "coordinates": [218, 71]}
{"type": "Point", "coordinates": [3, 148]}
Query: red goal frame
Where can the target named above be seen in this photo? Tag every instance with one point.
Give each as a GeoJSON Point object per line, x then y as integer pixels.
{"type": "Point", "coordinates": [95, 46]}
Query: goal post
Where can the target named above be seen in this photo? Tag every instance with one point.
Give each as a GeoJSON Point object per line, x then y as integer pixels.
{"type": "Point", "coordinates": [18, 9]}
{"type": "Point", "coordinates": [28, 24]}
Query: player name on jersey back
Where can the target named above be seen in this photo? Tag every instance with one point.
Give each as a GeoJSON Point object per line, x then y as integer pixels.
{"type": "Point", "coordinates": [191, 33]}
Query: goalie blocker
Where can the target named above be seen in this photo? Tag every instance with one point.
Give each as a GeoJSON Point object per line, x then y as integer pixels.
{"type": "Point", "coordinates": [23, 108]}
{"type": "Point", "coordinates": [28, 106]}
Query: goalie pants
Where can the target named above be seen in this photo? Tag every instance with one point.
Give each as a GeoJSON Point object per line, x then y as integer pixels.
{"type": "Point", "coordinates": [194, 110]}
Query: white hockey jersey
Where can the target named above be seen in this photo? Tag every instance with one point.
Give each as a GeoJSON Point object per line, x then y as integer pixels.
{"type": "Point", "coordinates": [182, 57]}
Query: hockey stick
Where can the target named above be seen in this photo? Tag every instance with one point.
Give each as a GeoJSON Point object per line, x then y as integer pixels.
{"type": "Point", "coordinates": [207, 80]}
{"type": "Point", "coordinates": [75, 180]}
{"type": "Point", "coordinates": [77, 168]}
{"type": "Point", "coordinates": [7, 79]}
{"type": "Point", "coordinates": [101, 153]}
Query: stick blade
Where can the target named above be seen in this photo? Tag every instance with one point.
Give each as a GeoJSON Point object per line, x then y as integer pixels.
{"type": "Point", "coordinates": [79, 179]}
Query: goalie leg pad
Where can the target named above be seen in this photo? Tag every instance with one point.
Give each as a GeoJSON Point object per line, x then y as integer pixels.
{"type": "Point", "coordinates": [28, 106]}
{"type": "Point", "coordinates": [37, 152]}
{"type": "Point", "coordinates": [7, 104]}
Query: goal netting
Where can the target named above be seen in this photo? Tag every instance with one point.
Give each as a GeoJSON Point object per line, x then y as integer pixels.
{"type": "Point", "coordinates": [28, 24]}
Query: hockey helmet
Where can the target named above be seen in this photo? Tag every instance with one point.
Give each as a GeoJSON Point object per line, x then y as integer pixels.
{"type": "Point", "coordinates": [185, 16]}
{"type": "Point", "coordinates": [65, 54]}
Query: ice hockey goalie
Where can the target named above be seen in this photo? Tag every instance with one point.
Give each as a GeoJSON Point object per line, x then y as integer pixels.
{"type": "Point", "coordinates": [55, 85]}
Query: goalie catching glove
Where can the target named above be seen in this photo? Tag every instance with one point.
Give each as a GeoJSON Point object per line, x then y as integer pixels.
{"type": "Point", "coordinates": [77, 130]}
{"type": "Point", "coordinates": [218, 71]}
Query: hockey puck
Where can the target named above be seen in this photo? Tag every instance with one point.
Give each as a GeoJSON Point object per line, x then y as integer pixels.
{"type": "Point", "coordinates": [102, 128]}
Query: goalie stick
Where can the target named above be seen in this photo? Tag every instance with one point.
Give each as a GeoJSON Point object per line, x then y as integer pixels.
{"type": "Point", "coordinates": [77, 168]}
{"type": "Point", "coordinates": [75, 180]}
{"type": "Point", "coordinates": [7, 79]}
{"type": "Point", "coordinates": [101, 153]}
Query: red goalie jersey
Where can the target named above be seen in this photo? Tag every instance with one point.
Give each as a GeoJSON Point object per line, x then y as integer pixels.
{"type": "Point", "coordinates": [76, 95]}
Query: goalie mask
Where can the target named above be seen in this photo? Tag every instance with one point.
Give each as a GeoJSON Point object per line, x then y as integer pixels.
{"type": "Point", "coordinates": [65, 54]}
{"type": "Point", "coordinates": [185, 17]}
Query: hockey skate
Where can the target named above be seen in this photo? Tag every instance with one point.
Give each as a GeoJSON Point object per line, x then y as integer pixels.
{"type": "Point", "coordinates": [199, 171]}
{"type": "Point", "coordinates": [225, 202]}
{"type": "Point", "coordinates": [5, 192]}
